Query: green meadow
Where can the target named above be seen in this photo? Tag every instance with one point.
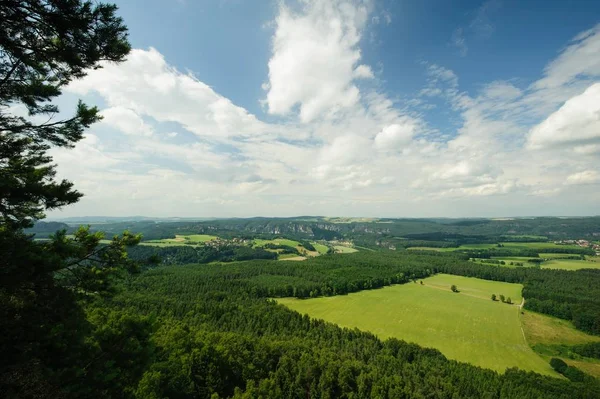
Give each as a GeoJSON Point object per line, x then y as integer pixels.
{"type": "Point", "coordinates": [277, 241]}
{"type": "Point", "coordinates": [321, 249]}
{"type": "Point", "coordinates": [549, 335]}
{"type": "Point", "coordinates": [552, 263]}
{"type": "Point", "coordinates": [570, 264]}
{"type": "Point", "coordinates": [188, 239]}
{"type": "Point", "coordinates": [507, 245]}
{"type": "Point", "coordinates": [466, 326]}
{"type": "Point", "coordinates": [344, 250]}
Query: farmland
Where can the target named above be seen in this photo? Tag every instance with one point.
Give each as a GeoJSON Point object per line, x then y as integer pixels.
{"type": "Point", "coordinates": [551, 337]}
{"type": "Point", "coordinates": [553, 262]}
{"type": "Point", "coordinates": [465, 326]}
{"type": "Point", "coordinates": [301, 251]}
{"type": "Point", "coordinates": [343, 249]}
{"type": "Point", "coordinates": [571, 264]}
{"type": "Point", "coordinates": [191, 239]}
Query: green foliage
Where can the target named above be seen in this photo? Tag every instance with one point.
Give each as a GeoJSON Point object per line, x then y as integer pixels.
{"type": "Point", "coordinates": [179, 255]}
{"type": "Point", "coordinates": [558, 364]}
{"type": "Point", "coordinates": [574, 374]}
{"type": "Point", "coordinates": [591, 349]}
{"type": "Point", "coordinates": [453, 288]}
{"type": "Point", "coordinates": [44, 45]}
{"type": "Point", "coordinates": [494, 297]}
{"type": "Point", "coordinates": [46, 341]}
{"type": "Point", "coordinates": [219, 334]}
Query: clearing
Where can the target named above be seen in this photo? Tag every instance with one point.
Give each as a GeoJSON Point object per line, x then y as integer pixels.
{"type": "Point", "coordinates": [466, 326]}
{"type": "Point", "coordinates": [344, 250]}
{"type": "Point", "coordinates": [258, 243]}
{"type": "Point", "coordinates": [570, 264]}
{"type": "Point", "coordinates": [548, 335]}
{"type": "Point", "coordinates": [322, 249]}
{"type": "Point", "coordinates": [188, 239]}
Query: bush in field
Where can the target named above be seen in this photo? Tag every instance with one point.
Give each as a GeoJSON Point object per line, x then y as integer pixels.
{"type": "Point", "coordinates": [558, 364]}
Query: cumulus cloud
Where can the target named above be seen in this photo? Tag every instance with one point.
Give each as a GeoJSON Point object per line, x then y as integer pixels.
{"type": "Point", "coordinates": [346, 147]}
{"type": "Point", "coordinates": [126, 120]}
{"type": "Point", "coordinates": [576, 123]}
{"type": "Point", "coordinates": [585, 177]}
{"type": "Point", "coordinates": [393, 136]}
{"type": "Point", "coordinates": [316, 58]}
{"type": "Point", "coordinates": [146, 85]}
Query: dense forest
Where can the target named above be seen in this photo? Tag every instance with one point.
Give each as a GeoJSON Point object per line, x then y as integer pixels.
{"type": "Point", "coordinates": [176, 255]}
{"type": "Point", "coordinates": [217, 333]}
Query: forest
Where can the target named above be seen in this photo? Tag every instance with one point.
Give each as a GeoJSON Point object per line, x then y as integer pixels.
{"type": "Point", "coordinates": [218, 322]}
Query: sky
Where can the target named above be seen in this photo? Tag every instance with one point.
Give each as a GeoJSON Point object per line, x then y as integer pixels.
{"type": "Point", "coordinates": [375, 108]}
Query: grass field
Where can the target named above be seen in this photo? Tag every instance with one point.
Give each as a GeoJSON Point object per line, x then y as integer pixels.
{"type": "Point", "coordinates": [518, 245]}
{"type": "Point", "coordinates": [556, 263]}
{"type": "Point", "coordinates": [344, 250]}
{"type": "Point", "coordinates": [278, 241]}
{"type": "Point", "coordinates": [506, 245]}
{"type": "Point", "coordinates": [570, 264]}
{"type": "Point", "coordinates": [466, 326]}
{"type": "Point", "coordinates": [548, 330]}
{"type": "Point", "coordinates": [544, 333]}
{"type": "Point", "coordinates": [432, 249]}
{"type": "Point", "coordinates": [294, 244]}
{"type": "Point", "coordinates": [193, 239]}
{"type": "Point", "coordinates": [322, 249]}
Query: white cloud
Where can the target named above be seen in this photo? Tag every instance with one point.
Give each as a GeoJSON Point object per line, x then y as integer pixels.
{"type": "Point", "coordinates": [502, 90]}
{"type": "Point", "coordinates": [581, 59]}
{"type": "Point", "coordinates": [126, 120]}
{"type": "Point", "coordinates": [585, 177]}
{"type": "Point", "coordinates": [146, 85]}
{"type": "Point", "coordinates": [393, 136]}
{"type": "Point", "coordinates": [576, 123]}
{"type": "Point", "coordinates": [347, 148]}
{"type": "Point", "coordinates": [316, 58]}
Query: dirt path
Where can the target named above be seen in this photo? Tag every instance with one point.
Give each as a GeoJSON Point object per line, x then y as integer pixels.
{"type": "Point", "coordinates": [521, 319]}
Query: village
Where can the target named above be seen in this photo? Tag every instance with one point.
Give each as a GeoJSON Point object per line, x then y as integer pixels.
{"type": "Point", "coordinates": [582, 243]}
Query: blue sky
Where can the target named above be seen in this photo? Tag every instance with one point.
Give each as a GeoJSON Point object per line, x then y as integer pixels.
{"type": "Point", "coordinates": [349, 108]}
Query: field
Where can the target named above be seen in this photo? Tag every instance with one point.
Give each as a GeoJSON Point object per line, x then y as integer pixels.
{"type": "Point", "coordinates": [554, 256]}
{"type": "Point", "coordinates": [548, 330]}
{"type": "Point", "coordinates": [518, 245]}
{"type": "Point", "coordinates": [505, 245]}
{"type": "Point", "coordinates": [570, 264]}
{"type": "Point", "coordinates": [553, 263]}
{"type": "Point", "coordinates": [546, 333]}
{"type": "Point", "coordinates": [322, 249]}
{"type": "Point", "coordinates": [344, 250]}
{"type": "Point", "coordinates": [467, 326]}
{"type": "Point", "coordinates": [278, 241]}
{"type": "Point", "coordinates": [190, 239]}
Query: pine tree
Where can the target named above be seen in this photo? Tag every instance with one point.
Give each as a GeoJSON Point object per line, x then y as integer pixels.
{"type": "Point", "coordinates": [44, 45]}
